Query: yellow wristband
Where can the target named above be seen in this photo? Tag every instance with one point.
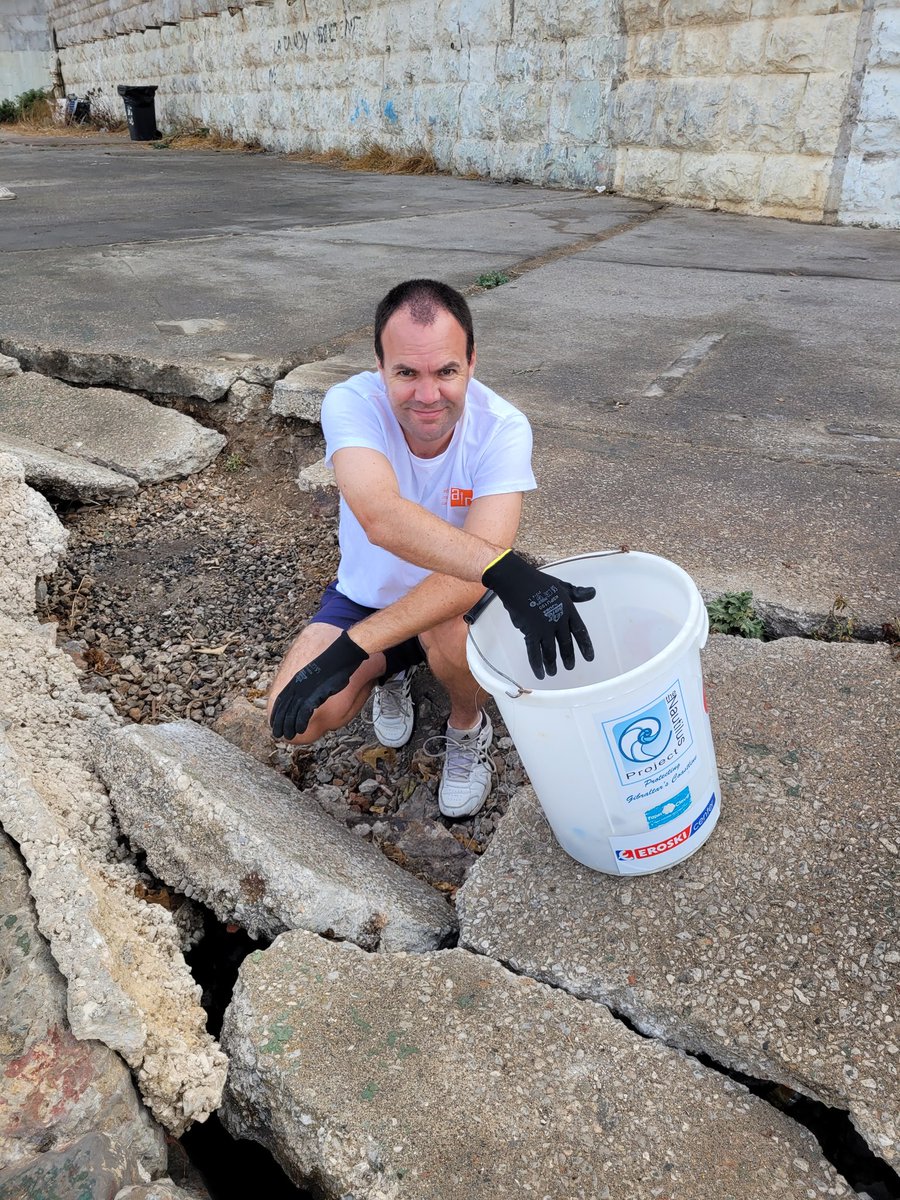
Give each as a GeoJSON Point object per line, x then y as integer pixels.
{"type": "Point", "coordinates": [494, 562]}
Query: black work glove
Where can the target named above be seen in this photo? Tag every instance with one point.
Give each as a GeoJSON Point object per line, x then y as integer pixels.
{"type": "Point", "coordinates": [543, 608]}
{"type": "Point", "coordinates": [326, 675]}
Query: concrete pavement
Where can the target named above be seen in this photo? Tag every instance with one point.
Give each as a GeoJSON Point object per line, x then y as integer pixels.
{"type": "Point", "coordinates": [719, 389]}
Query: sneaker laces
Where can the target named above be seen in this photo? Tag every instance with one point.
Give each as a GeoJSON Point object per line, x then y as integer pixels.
{"type": "Point", "coordinates": [461, 755]}
{"type": "Point", "coordinates": [392, 695]}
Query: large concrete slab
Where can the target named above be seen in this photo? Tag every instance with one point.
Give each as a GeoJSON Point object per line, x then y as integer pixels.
{"type": "Point", "coordinates": [126, 434]}
{"type": "Point", "coordinates": [773, 948]}
{"type": "Point", "coordinates": [218, 825]}
{"type": "Point", "coordinates": [446, 1077]}
{"type": "Point", "coordinates": [281, 256]}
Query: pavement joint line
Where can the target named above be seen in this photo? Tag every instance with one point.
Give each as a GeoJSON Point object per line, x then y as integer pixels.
{"type": "Point", "coordinates": [705, 1060]}
{"type": "Point", "coordinates": [778, 272]}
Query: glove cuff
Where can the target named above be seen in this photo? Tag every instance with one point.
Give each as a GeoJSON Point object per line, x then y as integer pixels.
{"type": "Point", "coordinates": [352, 649]}
{"type": "Point", "coordinates": [491, 565]}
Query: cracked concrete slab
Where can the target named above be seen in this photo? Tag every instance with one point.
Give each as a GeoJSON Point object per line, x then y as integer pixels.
{"type": "Point", "coordinates": [443, 1076]}
{"type": "Point", "coordinates": [65, 475]}
{"type": "Point", "coordinates": [128, 983]}
{"type": "Point", "coordinates": [773, 949]}
{"type": "Point", "coordinates": [123, 433]}
{"type": "Point", "coordinates": [317, 478]}
{"type": "Point", "coordinates": [219, 826]}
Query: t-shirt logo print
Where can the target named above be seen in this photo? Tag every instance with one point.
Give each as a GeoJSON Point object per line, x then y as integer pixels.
{"type": "Point", "coordinates": [458, 497]}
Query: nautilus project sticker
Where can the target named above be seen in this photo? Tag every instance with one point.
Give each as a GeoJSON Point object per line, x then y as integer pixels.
{"type": "Point", "coordinates": [651, 739]}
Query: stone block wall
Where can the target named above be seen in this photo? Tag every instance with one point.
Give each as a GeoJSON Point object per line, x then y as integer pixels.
{"type": "Point", "coordinates": [735, 104]}
{"type": "Point", "coordinates": [26, 60]}
{"type": "Point", "coordinates": [776, 107]}
{"type": "Point", "coordinates": [502, 88]}
{"type": "Point", "coordinates": [870, 192]}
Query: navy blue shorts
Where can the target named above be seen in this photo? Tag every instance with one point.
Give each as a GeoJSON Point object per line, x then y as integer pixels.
{"type": "Point", "coordinates": [336, 609]}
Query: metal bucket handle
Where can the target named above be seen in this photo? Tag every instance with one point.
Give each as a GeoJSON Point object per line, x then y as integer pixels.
{"type": "Point", "coordinates": [480, 605]}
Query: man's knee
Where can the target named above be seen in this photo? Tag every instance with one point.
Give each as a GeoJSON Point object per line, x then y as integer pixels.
{"type": "Point", "coordinates": [446, 643]}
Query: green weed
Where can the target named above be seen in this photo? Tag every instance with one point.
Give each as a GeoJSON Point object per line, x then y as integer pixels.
{"type": "Point", "coordinates": [234, 463]}
{"type": "Point", "coordinates": [732, 612]}
{"type": "Point", "coordinates": [492, 279]}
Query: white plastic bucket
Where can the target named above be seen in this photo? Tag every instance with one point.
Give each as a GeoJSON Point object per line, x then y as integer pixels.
{"type": "Point", "coordinates": [619, 750]}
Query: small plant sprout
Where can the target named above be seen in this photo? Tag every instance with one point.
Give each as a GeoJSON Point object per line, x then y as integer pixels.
{"type": "Point", "coordinates": [732, 612]}
{"type": "Point", "coordinates": [492, 279]}
{"type": "Point", "coordinates": [234, 462]}
{"type": "Point", "coordinates": [839, 625]}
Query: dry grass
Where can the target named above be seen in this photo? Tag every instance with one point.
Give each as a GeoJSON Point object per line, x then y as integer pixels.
{"type": "Point", "coordinates": [195, 136]}
{"type": "Point", "coordinates": [373, 158]}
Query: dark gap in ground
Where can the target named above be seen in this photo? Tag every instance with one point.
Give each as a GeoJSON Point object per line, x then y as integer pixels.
{"type": "Point", "coordinates": [231, 1168]}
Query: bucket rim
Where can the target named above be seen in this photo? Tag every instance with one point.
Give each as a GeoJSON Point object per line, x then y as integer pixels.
{"type": "Point", "coordinates": [695, 628]}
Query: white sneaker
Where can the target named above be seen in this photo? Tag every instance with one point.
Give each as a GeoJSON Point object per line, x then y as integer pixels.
{"type": "Point", "coordinates": [393, 711]}
{"type": "Point", "coordinates": [468, 768]}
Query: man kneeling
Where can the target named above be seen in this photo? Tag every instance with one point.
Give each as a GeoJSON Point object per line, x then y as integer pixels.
{"type": "Point", "coordinates": [431, 467]}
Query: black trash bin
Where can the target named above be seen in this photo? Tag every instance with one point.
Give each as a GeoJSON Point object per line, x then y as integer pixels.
{"type": "Point", "coordinates": [141, 113]}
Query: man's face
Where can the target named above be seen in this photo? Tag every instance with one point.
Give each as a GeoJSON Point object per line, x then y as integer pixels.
{"type": "Point", "coordinates": [426, 375]}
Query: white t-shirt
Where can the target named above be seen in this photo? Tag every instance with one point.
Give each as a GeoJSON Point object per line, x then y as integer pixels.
{"type": "Point", "coordinates": [489, 454]}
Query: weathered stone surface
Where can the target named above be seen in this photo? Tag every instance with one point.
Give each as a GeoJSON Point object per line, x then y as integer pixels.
{"type": "Point", "coordinates": [217, 825]}
{"type": "Point", "coordinates": [301, 392]}
{"type": "Point", "coordinates": [445, 1076]}
{"type": "Point", "coordinates": [9, 366]}
{"type": "Point", "coordinates": [125, 433]}
{"type": "Point", "coordinates": [124, 370]}
{"type": "Point", "coordinates": [317, 478]}
{"type": "Point", "coordinates": [93, 1168]}
{"type": "Point", "coordinates": [160, 1189]}
{"type": "Point", "coordinates": [128, 984]}
{"type": "Point", "coordinates": [65, 475]}
{"type": "Point", "coordinates": [54, 1089]}
{"type": "Point", "coordinates": [773, 949]}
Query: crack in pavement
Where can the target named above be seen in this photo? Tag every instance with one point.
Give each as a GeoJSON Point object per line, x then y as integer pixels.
{"type": "Point", "coordinates": [880, 1168]}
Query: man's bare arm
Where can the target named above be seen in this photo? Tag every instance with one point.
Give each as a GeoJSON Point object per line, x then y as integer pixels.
{"type": "Point", "coordinates": [495, 519]}
{"type": "Point", "coordinates": [369, 486]}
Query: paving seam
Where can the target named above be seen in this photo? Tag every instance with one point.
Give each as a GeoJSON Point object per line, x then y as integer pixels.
{"type": "Point", "coordinates": [778, 272]}
{"type": "Point", "coordinates": [705, 1060]}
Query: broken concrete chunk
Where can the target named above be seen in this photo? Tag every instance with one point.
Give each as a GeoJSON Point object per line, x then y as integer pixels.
{"type": "Point", "coordinates": [301, 392]}
{"type": "Point", "coordinates": [9, 366]}
{"type": "Point", "coordinates": [126, 371]}
{"type": "Point", "coordinates": [222, 828]}
{"type": "Point", "coordinates": [95, 1167]}
{"type": "Point", "coordinates": [245, 398]}
{"type": "Point", "coordinates": [65, 475]}
{"type": "Point", "coordinates": [317, 478]}
{"type": "Point", "coordinates": [31, 539]}
{"type": "Point", "coordinates": [124, 433]}
{"type": "Point", "coordinates": [192, 326]}
{"type": "Point", "coordinates": [773, 949]}
{"type": "Point", "coordinates": [54, 1089]}
{"type": "Point", "coordinates": [443, 1076]}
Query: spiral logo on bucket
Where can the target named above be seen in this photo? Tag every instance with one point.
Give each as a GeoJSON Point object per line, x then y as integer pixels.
{"type": "Point", "coordinates": [650, 740]}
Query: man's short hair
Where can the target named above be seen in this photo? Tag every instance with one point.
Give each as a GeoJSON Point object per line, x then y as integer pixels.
{"type": "Point", "coordinates": [424, 298]}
